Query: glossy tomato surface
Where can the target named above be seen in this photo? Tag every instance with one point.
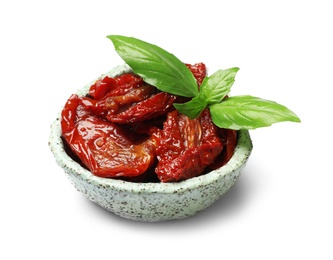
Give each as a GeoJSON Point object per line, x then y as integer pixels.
{"type": "Point", "coordinates": [126, 128]}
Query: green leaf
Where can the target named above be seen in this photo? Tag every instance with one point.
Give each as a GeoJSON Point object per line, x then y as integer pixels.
{"type": "Point", "coordinates": [156, 66]}
{"type": "Point", "coordinates": [167, 73]}
{"type": "Point", "coordinates": [248, 112]}
{"type": "Point", "coordinates": [193, 108]}
{"type": "Point", "coordinates": [217, 86]}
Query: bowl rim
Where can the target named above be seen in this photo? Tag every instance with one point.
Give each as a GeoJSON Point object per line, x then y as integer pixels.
{"type": "Point", "coordinates": [241, 154]}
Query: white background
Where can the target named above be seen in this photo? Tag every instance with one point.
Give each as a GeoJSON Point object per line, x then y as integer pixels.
{"type": "Point", "coordinates": [280, 208]}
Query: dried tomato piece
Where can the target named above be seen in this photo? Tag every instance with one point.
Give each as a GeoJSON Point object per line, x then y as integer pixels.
{"type": "Point", "coordinates": [185, 147]}
{"type": "Point", "coordinates": [117, 104]}
{"type": "Point", "coordinates": [69, 116]}
{"type": "Point", "coordinates": [150, 108]}
{"type": "Point", "coordinates": [102, 87]}
{"type": "Point", "coordinates": [229, 139]}
{"type": "Point", "coordinates": [127, 99]}
{"type": "Point", "coordinates": [127, 129]}
{"type": "Point", "coordinates": [127, 81]}
{"type": "Point", "coordinates": [106, 149]}
{"type": "Point", "coordinates": [117, 86]}
{"type": "Point", "coordinates": [199, 71]}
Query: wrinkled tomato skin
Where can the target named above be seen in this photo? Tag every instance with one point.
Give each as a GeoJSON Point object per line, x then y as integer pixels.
{"type": "Point", "coordinates": [68, 114]}
{"type": "Point", "coordinates": [102, 87]}
{"type": "Point", "coordinates": [186, 147]}
{"type": "Point", "coordinates": [114, 86]}
{"type": "Point", "coordinates": [73, 111]}
{"type": "Point", "coordinates": [199, 71]}
{"type": "Point", "coordinates": [149, 108]}
{"type": "Point", "coordinates": [108, 150]}
{"type": "Point", "coordinates": [229, 138]}
{"type": "Point", "coordinates": [128, 99]}
{"type": "Point", "coordinates": [127, 129]}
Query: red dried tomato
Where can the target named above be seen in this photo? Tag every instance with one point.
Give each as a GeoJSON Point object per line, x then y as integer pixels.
{"type": "Point", "coordinates": [127, 99]}
{"type": "Point", "coordinates": [102, 87]}
{"type": "Point", "coordinates": [229, 139]}
{"type": "Point", "coordinates": [149, 108]}
{"type": "Point", "coordinates": [117, 86]}
{"type": "Point", "coordinates": [127, 129]}
{"type": "Point", "coordinates": [186, 147]}
{"type": "Point", "coordinates": [199, 71]}
{"type": "Point", "coordinates": [107, 149]}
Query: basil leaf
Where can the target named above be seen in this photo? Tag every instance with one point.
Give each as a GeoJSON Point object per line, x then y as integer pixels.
{"type": "Point", "coordinates": [217, 86]}
{"type": "Point", "coordinates": [248, 112]}
{"type": "Point", "coordinates": [167, 73]}
{"type": "Point", "coordinates": [156, 66]}
{"type": "Point", "coordinates": [192, 108]}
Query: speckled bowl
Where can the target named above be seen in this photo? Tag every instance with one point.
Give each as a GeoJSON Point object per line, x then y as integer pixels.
{"type": "Point", "coordinates": [151, 201]}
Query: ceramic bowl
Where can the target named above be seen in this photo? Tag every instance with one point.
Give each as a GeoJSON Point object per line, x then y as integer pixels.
{"type": "Point", "coordinates": [151, 201]}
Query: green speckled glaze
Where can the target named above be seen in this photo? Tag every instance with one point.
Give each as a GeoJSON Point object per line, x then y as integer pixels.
{"type": "Point", "coordinates": [151, 201]}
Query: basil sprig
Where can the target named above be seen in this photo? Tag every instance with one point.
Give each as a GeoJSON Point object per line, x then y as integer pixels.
{"type": "Point", "coordinates": [167, 73]}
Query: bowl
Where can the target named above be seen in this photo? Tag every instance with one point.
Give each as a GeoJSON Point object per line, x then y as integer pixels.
{"type": "Point", "coordinates": [150, 202]}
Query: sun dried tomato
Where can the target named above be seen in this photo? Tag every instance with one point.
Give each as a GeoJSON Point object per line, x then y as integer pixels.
{"type": "Point", "coordinates": [117, 86]}
{"type": "Point", "coordinates": [125, 128]}
{"type": "Point", "coordinates": [127, 99]}
{"type": "Point", "coordinates": [102, 87]}
{"type": "Point", "coordinates": [229, 139]}
{"type": "Point", "coordinates": [199, 71]}
{"type": "Point", "coordinates": [150, 108]}
{"type": "Point", "coordinates": [107, 149]}
{"type": "Point", "coordinates": [186, 147]}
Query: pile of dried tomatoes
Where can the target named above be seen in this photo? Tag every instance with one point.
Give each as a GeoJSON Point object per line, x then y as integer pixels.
{"type": "Point", "coordinates": [127, 129]}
